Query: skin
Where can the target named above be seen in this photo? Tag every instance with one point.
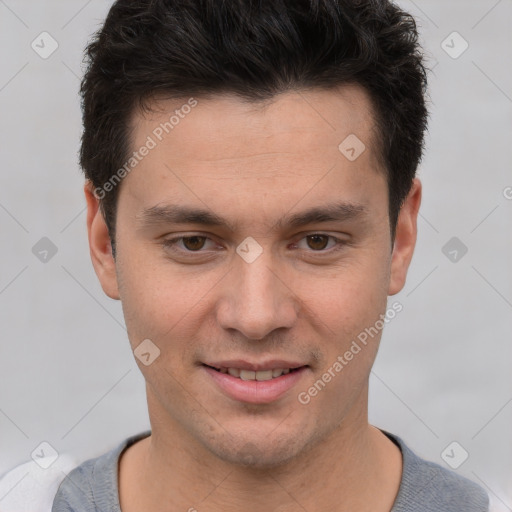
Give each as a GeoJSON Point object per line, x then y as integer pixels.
{"type": "Point", "coordinates": [254, 164]}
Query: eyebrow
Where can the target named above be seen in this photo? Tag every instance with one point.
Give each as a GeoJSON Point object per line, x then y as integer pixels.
{"type": "Point", "coordinates": [180, 214]}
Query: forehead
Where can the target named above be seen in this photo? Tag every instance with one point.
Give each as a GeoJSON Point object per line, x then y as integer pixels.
{"type": "Point", "coordinates": [224, 127]}
{"type": "Point", "coordinates": [253, 153]}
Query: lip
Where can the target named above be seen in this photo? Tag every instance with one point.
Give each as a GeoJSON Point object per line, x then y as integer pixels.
{"type": "Point", "coordinates": [245, 365]}
{"type": "Point", "coordinates": [253, 391]}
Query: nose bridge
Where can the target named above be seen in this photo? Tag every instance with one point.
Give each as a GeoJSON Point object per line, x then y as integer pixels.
{"type": "Point", "coordinates": [256, 301]}
{"type": "Point", "coordinates": [258, 286]}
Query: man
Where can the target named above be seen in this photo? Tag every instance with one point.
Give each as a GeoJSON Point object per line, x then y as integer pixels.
{"type": "Point", "coordinates": [252, 201]}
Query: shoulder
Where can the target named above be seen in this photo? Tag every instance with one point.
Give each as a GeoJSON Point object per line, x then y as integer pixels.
{"type": "Point", "coordinates": [93, 484]}
{"type": "Point", "coordinates": [429, 487]}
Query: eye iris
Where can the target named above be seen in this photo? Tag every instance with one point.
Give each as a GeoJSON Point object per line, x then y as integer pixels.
{"type": "Point", "coordinates": [194, 246]}
{"type": "Point", "coordinates": [315, 239]}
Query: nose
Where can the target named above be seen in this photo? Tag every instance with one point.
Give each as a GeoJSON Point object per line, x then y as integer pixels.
{"type": "Point", "coordinates": [257, 298]}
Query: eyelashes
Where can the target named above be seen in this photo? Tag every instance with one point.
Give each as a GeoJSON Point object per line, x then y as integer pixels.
{"type": "Point", "coordinates": [194, 244]}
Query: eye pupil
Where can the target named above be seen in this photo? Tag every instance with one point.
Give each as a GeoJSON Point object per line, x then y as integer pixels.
{"type": "Point", "coordinates": [194, 246]}
{"type": "Point", "coordinates": [315, 239]}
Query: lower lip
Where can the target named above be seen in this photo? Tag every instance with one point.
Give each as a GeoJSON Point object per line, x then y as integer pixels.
{"type": "Point", "coordinates": [254, 391]}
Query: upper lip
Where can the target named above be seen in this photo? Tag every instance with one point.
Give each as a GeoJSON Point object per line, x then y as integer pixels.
{"type": "Point", "coordinates": [246, 365]}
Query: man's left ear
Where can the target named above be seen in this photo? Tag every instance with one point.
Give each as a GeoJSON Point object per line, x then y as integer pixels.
{"type": "Point", "coordinates": [99, 244]}
{"type": "Point", "coordinates": [405, 238]}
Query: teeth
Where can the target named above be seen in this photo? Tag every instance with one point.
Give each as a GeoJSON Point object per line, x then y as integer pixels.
{"type": "Point", "coordinates": [252, 375]}
{"type": "Point", "coordinates": [247, 375]}
{"type": "Point", "coordinates": [234, 372]}
{"type": "Point", "coordinates": [264, 375]}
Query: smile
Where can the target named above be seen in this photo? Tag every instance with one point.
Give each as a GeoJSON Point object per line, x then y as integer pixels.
{"type": "Point", "coordinates": [261, 386]}
{"type": "Point", "coordinates": [260, 375]}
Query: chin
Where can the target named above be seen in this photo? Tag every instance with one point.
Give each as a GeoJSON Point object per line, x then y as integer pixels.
{"type": "Point", "coordinates": [258, 450]}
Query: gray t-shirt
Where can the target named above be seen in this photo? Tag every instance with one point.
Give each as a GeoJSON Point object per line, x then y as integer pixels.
{"type": "Point", "coordinates": [425, 486]}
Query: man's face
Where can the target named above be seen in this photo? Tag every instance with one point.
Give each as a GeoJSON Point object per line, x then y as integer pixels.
{"type": "Point", "coordinates": [208, 300]}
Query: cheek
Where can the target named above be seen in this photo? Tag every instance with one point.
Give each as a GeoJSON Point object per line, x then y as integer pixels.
{"type": "Point", "coordinates": [347, 310]}
{"type": "Point", "coordinates": [148, 288]}
{"type": "Point", "coordinates": [162, 304]}
{"type": "Point", "coordinates": [351, 297]}
{"type": "Point", "coordinates": [348, 315]}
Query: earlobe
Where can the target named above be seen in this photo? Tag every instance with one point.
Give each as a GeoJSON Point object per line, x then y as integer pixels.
{"type": "Point", "coordinates": [100, 245]}
{"type": "Point", "coordinates": [405, 238]}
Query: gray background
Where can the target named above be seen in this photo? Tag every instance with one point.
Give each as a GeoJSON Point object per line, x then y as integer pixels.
{"type": "Point", "coordinates": [443, 373]}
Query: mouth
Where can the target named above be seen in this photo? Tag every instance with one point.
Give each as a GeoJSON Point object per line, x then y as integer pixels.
{"type": "Point", "coordinates": [259, 375]}
{"type": "Point", "coordinates": [252, 383]}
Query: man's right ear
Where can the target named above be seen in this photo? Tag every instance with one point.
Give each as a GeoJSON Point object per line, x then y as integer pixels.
{"type": "Point", "coordinates": [99, 244]}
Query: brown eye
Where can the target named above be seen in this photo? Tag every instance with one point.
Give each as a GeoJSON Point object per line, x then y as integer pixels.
{"type": "Point", "coordinates": [193, 243]}
{"type": "Point", "coordinates": [318, 242]}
